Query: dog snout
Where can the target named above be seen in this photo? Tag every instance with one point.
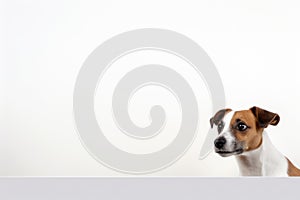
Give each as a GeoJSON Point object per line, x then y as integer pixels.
{"type": "Point", "coordinates": [220, 142]}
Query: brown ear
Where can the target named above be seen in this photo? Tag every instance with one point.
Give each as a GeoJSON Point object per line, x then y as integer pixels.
{"type": "Point", "coordinates": [218, 117]}
{"type": "Point", "coordinates": [265, 117]}
{"type": "Point", "coordinates": [211, 121]}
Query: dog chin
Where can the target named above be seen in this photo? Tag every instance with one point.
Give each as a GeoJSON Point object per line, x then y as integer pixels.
{"type": "Point", "coordinates": [224, 153]}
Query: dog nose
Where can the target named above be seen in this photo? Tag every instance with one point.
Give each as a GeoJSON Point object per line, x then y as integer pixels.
{"type": "Point", "coordinates": [220, 142]}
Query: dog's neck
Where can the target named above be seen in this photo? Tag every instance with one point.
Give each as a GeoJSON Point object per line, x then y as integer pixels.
{"type": "Point", "coordinates": [251, 163]}
{"type": "Point", "coordinates": [266, 160]}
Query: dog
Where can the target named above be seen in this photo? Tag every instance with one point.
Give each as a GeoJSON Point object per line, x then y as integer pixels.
{"type": "Point", "coordinates": [241, 133]}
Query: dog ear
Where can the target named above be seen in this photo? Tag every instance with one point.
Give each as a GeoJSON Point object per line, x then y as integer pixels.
{"type": "Point", "coordinates": [265, 117]}
{"type": "Point", "coordinates": [211, 121]}
{"type": "Point", "coordinates": [218, 117]}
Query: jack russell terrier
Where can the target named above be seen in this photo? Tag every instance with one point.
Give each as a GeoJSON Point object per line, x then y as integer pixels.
{"type": "Point", "coordinates": [241, 133]}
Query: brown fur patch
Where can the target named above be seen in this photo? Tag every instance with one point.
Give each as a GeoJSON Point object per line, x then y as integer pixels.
{"type": "Point", "coordinates": [292, 170]}
{"type": "Point", "coordinates": [219, 116]}
{"type": "Point", "coordinates": [252, 137]}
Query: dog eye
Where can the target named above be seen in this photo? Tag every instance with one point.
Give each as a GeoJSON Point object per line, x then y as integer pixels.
{"type": "Point", "coordinates": [220, 127]}
{"type": "Point", "coordinates": [241, 127]}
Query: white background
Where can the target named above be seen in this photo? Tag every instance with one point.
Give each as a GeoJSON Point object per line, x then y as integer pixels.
{"type": "Point", "coordinates": [254, 44]}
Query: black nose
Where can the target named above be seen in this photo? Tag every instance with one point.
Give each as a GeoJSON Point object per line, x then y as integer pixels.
{"type": "Point", "coordinates": [220, 142]}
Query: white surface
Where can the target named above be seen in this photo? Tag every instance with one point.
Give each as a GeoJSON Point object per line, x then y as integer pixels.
{"type": "Point", "coordinates": [255, 45]}
{"type": "Point", "coordinates": [148, 188]}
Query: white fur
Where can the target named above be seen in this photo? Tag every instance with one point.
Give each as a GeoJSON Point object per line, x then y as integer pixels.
{"type": "Point", "coordinates": [264, 161]}
{"type": "Point", "coordinates": [226, 133]}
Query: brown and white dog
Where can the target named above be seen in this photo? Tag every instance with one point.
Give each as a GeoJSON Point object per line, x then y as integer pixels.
{"type": "Point", "coordinates": [241, 133]}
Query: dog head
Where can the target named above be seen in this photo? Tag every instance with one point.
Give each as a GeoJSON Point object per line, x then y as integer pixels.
{"type": "Point", "coordinates": [241, 131]}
